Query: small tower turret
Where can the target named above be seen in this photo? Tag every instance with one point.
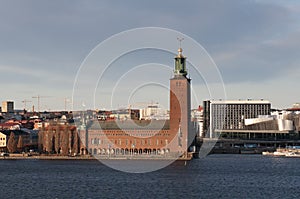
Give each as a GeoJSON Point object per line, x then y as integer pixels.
{"type": "Point", "coordinates": [180, 66]}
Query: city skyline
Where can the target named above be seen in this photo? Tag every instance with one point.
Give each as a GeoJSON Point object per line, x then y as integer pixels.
{"type": "Point", "coordinates": [253, 43]}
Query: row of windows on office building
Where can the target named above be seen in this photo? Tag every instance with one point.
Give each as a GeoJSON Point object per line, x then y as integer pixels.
{"type": "Point", "coordinates": [231, 116]}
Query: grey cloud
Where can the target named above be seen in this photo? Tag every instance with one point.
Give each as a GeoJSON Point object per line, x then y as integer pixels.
{"type": "Point", "coordinates": [54, 37]}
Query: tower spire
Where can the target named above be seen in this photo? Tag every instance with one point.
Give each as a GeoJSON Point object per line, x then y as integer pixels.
{"type": "Point", "coordinates": [180, 68]}
{"type": "Point", "coordinates": [180, 39]}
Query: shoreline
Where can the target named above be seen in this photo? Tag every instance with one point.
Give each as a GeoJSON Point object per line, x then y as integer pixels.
{"type": "Point", "coordinates": [88, 157]}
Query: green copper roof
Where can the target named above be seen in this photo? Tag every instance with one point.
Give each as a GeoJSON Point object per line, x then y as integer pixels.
{"type": "Point", "coordinates": [180, 66]}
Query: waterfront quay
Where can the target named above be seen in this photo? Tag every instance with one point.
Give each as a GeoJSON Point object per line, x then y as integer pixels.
{"type": "Point", "coordinates": [189, 156]}
{"type": "Point", "coordinates": [239, 146]}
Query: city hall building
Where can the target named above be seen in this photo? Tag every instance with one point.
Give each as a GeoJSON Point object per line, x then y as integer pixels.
{"type": "Point", "coordinates": [132, 136]}
{"type": "Point", "coordinates": [157, 137]}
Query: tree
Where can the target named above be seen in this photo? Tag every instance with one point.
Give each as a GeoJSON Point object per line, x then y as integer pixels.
{"type": "Point", "coordinates": [12, 144]}
{"type": "Point", "coordinates": [20, 144]}
{"type": "Point", "coordinates": [65, 141]}
{"type": "Point", "coordinates": [41, 139]}
{"type": "Point", "coordinates": [57, 140]}
{"type": "Point", "coordinates": [75, 142]}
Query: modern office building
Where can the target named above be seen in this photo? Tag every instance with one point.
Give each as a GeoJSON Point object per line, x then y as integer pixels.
{"type": "Point", "coordinates": [7, 107]}
{"type": "Point", "coordinates": [226, 115]}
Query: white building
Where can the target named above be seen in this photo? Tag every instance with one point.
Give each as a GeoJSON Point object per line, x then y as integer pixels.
{"type": "Point", "coordinates": [2, 140]}
{"type": "Point", "coordinates": [153, 112]}
{"type": "Point", "coordinates": [197, 118]}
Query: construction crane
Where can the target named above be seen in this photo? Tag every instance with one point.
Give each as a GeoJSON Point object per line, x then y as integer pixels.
{"type": "Point", "coordinates": [66, 101]}
{"type": "Point", "coordinates": [38, 97]}
{"type": "Point", "coordinates": [25, 102]}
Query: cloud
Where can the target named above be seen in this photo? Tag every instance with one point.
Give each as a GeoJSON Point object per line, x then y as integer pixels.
{"type": "Point", "coordinates": [45, 42]}
{"type": "Point", "coordinates": [259, 61]}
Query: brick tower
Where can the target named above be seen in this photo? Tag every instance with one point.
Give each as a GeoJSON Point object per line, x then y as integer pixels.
{"type": "Point", "coordinates": [180, 103]}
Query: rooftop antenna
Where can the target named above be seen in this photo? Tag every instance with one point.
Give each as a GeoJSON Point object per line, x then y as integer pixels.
{"type": "Point", "coordinates": [25, 102]}
{"type": "Point", "coordinates": [66, 100]}
{"type": "Point", "coordinates": [38, 97]}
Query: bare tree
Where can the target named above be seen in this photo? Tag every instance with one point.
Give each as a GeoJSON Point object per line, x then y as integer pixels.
{"type": "Point", "coordinates": [57, 140]}
{"type": "Point", "coordinates": [20, 144]}
{"type": "Point", "coordinates": [75, 143]}
{"type": "Point", "coordinates": [65, 141]}
{"type": "Point", "coordinates": [41, 139]}
{"type": "Point", "coordinates": [12, 144]}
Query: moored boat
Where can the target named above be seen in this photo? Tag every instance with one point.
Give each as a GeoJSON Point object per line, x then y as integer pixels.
{"type": "Point", "coordinates": [279, 153]}
{"type": "Point", "coordinates": [288, 152]}
{"type": "Point", "coordinates": [292, 154]}
{"type": "Point", "coordinates": [267, 153]}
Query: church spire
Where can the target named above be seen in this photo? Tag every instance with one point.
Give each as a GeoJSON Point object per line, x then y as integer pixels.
{"type": "Point", "coordinates": [180, 67]}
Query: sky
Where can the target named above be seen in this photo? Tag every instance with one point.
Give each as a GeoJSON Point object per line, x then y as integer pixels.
{"type": "Point", "coordinates": [255, 45]}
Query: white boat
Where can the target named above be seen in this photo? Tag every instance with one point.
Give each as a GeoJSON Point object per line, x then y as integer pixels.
{"type": "Point", "coordinates": [282, 154]}
{"type": "Point", "coordinates": [279, 153]}
{"type": "Point", "coordinates": [287, 152]}
{"type": "Point", "coordinates": [267, 153]}
{"type": "Point", "coordinates": [292, 154]}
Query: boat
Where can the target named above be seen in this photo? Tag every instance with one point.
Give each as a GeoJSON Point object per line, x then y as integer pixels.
{"type": "Point", "coordinates": [279, 153]}
{"type": "Point", "coordinates": [292, 154]}
{"type": "Point", "coordinates": [267, 153]}
{"type": "Point", "coordinates": [283, 153]}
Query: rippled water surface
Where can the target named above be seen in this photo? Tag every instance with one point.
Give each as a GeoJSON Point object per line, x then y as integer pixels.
{"type": "Point", "coordinates": [216, 176]}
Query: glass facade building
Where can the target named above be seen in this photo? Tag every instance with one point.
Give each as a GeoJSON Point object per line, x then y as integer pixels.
{"type": "Point", "coordinates": [230, 115]}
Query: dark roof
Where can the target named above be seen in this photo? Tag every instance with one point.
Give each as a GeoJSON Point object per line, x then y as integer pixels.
{"type": "Point", "coordinates": [16, 132]}
{"type": "Point", "coordinates": [131, 125]}
{"type": "Point", "coordinates": [293, 109]}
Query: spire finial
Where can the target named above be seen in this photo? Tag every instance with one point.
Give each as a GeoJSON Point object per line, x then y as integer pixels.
{"type": "Point", "coordinates": [180, 39]}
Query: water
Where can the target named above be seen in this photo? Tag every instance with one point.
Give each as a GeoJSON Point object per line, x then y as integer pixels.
{"type": "Point", "coordinates": [216, 176]}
